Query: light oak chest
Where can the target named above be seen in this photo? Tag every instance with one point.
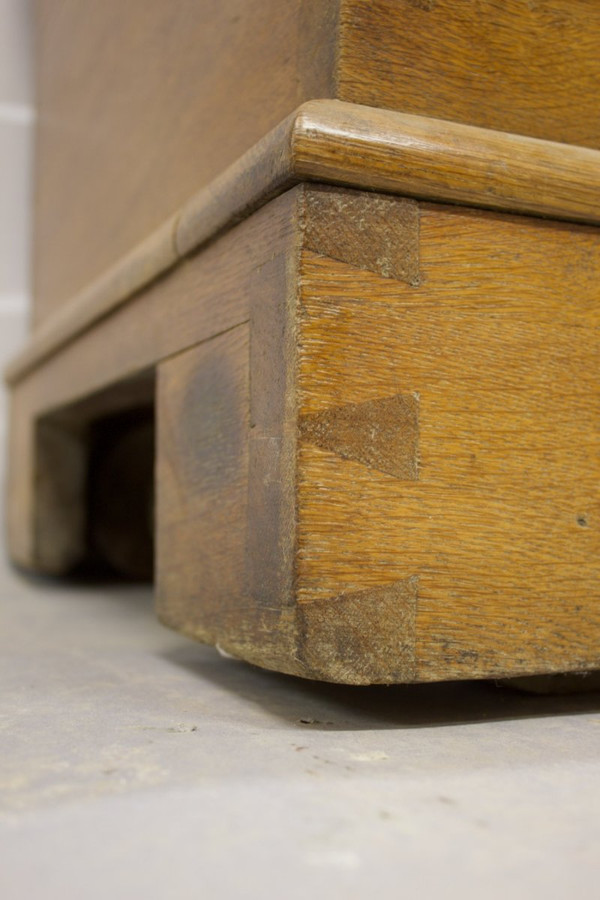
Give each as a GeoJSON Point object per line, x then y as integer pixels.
{"type": "Point", "coordinates": [339, 263]}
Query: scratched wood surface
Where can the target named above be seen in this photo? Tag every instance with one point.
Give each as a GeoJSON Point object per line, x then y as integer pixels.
{"type": "Point", "coordinates": [478, 377]}
{"type": "Point", "coordinates": [378, 439]}
{"type": "Point", "coordinates": [436, 511]}
{"type": "Point", "coordinates": [514, 65]}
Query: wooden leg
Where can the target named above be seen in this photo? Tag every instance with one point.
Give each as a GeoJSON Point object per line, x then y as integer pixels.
{"type": "Point", "coordinates": [80, 482]}
{"type": "Point", "coordinates": [377, 440]}
{"type": "Point", "coordinates": [47, 491]}
{"type": "Point", "coordinates": [225, 481]}
{"type": "Point", "coordinates": [202, 485]}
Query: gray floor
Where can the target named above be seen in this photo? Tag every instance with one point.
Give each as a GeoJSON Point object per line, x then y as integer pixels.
{"type": "Point", "coordinates": [135, 763]}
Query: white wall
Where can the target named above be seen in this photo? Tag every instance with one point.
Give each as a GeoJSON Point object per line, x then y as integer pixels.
{"type": "Point", "coordinates": [16, 131]}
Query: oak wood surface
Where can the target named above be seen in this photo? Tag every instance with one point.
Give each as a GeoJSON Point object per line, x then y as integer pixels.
{"type": "Point", "coordinates": [205, 296]}
{"type": "Point", "coordinates": [435, 159]}
{"type": "Point", "coordinates": [202, 484]}
{"type": "Point", "coordinates": [386, 438]}
{"type": "Point", "coordinates": [341, 143]}
{"type": "Point", "coordinates": [226, 469]}
{"type": "Point", "coordinates": [514, 65]}
{"type": "Point", "coordinates": [378, 416]}
{"type": "Point", "coordinates": [441, 517]}
{"type": "Point", "coordinates": [498, 342]}
{"type": "Point", "coordinates": [141, 103]}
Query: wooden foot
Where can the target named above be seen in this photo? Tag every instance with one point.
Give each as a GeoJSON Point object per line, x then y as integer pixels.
{"type": "Point", "coordinates": [377, 440]}
{"type": "Point", "coordinates": [80, 486]}
{"type": "Point", "coordinates": [46, 491]}
{"type": "Point", "coordinates": [395, 479]}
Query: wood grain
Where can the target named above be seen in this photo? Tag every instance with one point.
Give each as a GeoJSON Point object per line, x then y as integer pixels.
{"type": "Point", "coordinates": [359, 147]}
{"type": "Point", "coordinates": [524, 67]}
{"type": "Point", "coordinates": [500, 340]}
{"type": "Point", "coordinates": [382, 434]}
{"type": "Point", "coordinates": [361, 637]}
{"type": "Point", "coordinates": [141, 104]}
{"type": "Point", "coordinates": [251, 612]}
{"type": "Point", "coordinates": [205, 296]}
{"type": "Point", "coordinates": [202, 484]}
{"type": "Point", "coordinates": [382, 233]}
{"type": "Point", "coordinates": [375, 465]}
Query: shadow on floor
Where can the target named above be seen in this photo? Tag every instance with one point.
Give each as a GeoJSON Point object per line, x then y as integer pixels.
{"type": "Point", "coordinates": [318, 705]}
{"type": "Point", "coordinates": [322, 706]}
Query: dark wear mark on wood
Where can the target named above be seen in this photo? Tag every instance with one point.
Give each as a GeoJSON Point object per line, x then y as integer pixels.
{"type": "Point", "coordinates": [363, 637]}
{"type": "Point", "coordinates": [376, 232]}
{"type": "Point", "coordinates": [382, 434]}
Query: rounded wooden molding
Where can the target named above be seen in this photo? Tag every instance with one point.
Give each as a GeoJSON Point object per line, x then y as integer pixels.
{"type": "Point", "coordinates": [334, 142]}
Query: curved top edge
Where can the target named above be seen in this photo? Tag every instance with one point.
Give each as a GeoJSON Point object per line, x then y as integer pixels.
{"type": "Point", "coordinates": [434, 159]}
{"type": "Point", "coordinates": [356, 146]}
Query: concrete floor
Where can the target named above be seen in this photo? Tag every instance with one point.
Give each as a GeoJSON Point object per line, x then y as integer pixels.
{"type": "Point", "coordinates": [135, 763]}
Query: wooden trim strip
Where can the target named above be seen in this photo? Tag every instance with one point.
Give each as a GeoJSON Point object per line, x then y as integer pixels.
{"type": "Point", "coordinates": [436, 160]}
{"type": "Point", "coordinates": [357, 146]}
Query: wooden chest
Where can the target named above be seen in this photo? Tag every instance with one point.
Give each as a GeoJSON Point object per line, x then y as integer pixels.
{"type": "Point", "coordinates": [339, 263]}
